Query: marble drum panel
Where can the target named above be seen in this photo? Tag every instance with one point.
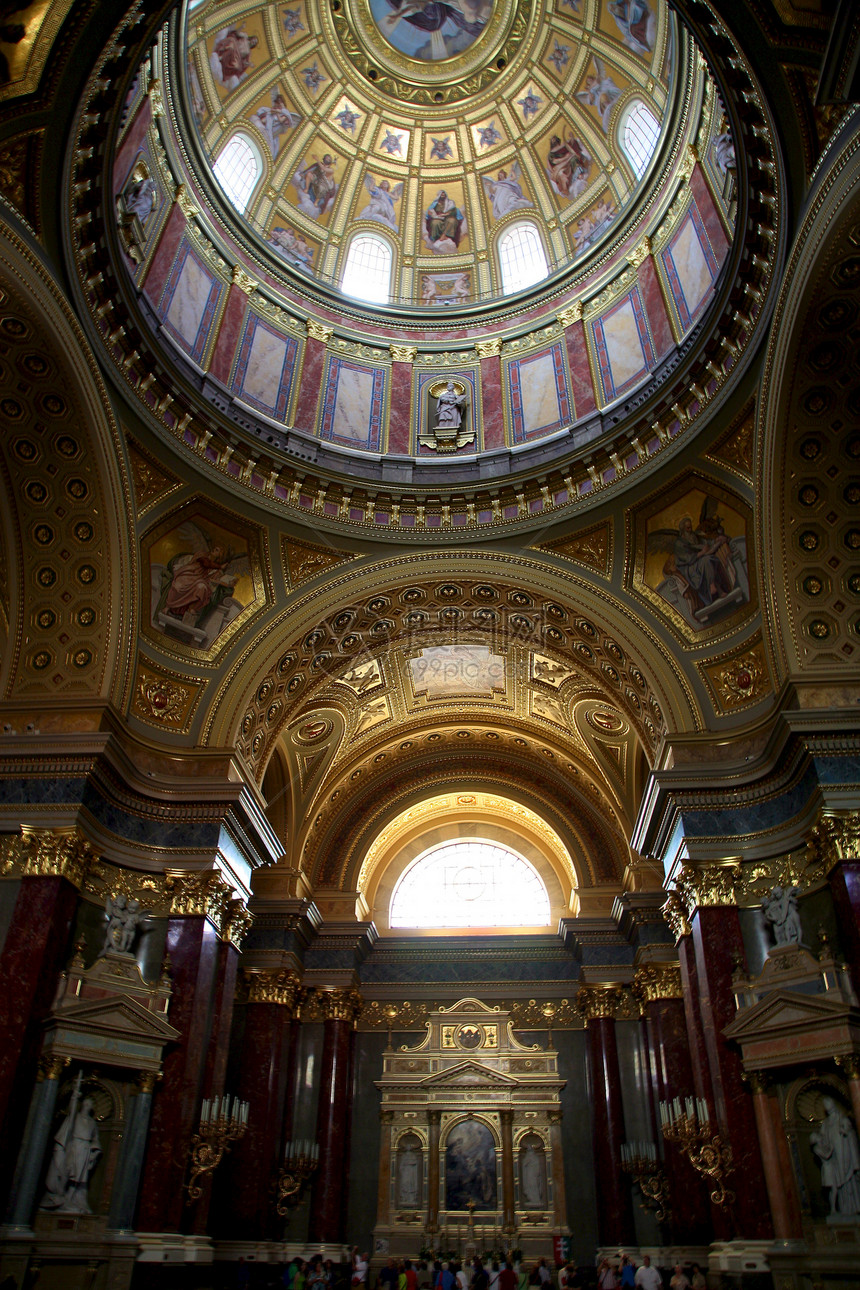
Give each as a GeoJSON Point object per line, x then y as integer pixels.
{"type": "Point", "coordinates": [189, 301]}
{"type": "Point", "coordinates": [265, 367]}
{"type": "Point", "coordinates": [538, 392]}
{"type": "Point", "coordinates": [353, 405]}
{"type": "Point", "coordinates": [690, 266]}
{"type": "Point", "coordinates": [623, 345]}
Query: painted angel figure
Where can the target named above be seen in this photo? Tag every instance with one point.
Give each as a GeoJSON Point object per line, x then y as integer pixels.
{"type": "Point", "coordinates": [316, 185]}
{"type": "Point", "coordinates": [382, 199]}
{"type": "Point", "coordinates": [505, 192]}
{"type": "Point", "coordinates": [197, 581]}
{"type": "Point", "coordinates": [706, 570]}
{"type": "Point", "coordinates": [600, 92]}
{"type": "Point", "coordinates": [124, 919]}
{"type": "Point", "coordinates": [274, 121]}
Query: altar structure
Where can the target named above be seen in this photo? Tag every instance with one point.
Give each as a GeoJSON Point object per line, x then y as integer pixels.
{"type": "Point", "coordinates": [470, 1158]}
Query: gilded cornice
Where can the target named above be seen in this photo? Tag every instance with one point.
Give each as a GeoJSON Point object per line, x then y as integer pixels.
{"type": "Point", "coordinates": [47, 853]}
{"type": "Point", "coordinates": [279, 987]}
{"type": "Point", "coordinates": [654, 981]}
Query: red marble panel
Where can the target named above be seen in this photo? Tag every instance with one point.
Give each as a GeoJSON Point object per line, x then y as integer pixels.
{"type": "Point", "coordinates": [673, 1066]}
{"type": "Point", "coordinates": [582, 386]}
{"type": "Point", "coordinates": [171, 236]}
{"type": "Point", "coordinates": [401, 408]}
{"type": "Point", "coordinates": [192, 945]}
{"type": "Point", "coordinates": [34, 954]}
{"type": "Point", "coordinates": [718, 943]}
{"type": "Point", "coordinates": [228, 334]}
{"type": "Point", "coordinates": [131, 145]}
{"type": "Point", "coordinates": [845, 888]}
{"type": "Point", "coordinates": [655, 308]}
{"type": "Point", "coordinates": [493, 404]}
{"type": "Point", "coordinates": [332, 1134]}
{"type": "Point", "coordinates": [615, 1224]}
{"type": "Point", "coordinates": [310, 383]}
{"type": "Point", "coordinates": [710, 215]}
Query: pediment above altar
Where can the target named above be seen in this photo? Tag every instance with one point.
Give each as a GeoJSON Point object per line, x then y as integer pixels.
{"type": "Point", "coordinates": [469, 1074]}
{"type": "Point", "coordinates": [788, 1027]}
{"type": "Point", "coordinates": [116, 1030]}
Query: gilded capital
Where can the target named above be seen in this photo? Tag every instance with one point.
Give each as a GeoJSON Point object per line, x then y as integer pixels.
{"type": "Point", "coordinates": [489, 348]}
{"type": "Point", "coordinates": [403, 353]}
{"type": "Point", "coordinates": [236, 923]}
{"type": "Point", "coordinates": [654, 981]}
{"type": "Point", "coordinates": [147, 1080]}
{"type": "Point", "coordinates": [756, 1081]}
{"type": "Point", "coordinates": [675, 913]}
{"type": "Point", "coordinates": [51, 1066]}
{"type": "Point", "coordinates": [339, 1005]}
{"type": "Point", "coordinates": [243, 280]}
{"type": "Point", "coordinates": [708, 885]}
{"type": "Point", "coordinates": [56, 853]}
{"type": "Point", "coordinates": [203, 894]}
{"type": "Point", "coordinates": [317, 331]}
{"type": "Point", "coordinates": [594, 1001]}
{"type": "Point", "coordinates": [849, 1064]}
{"type": "Point", "coordinates": [835, 839]}
{"type": "Point", "coordinates": [280, 987]}
{"type": "Point", "coordinates": [572, 314]}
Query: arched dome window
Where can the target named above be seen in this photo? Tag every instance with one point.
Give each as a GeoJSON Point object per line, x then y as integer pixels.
{"type": "Point", "coordinates": [367, 273]}
{"type": "Point", "coordinates": [522, 259]}
{"type": "Point", "coordinates": [237, 169]}
{"type": "Point", "coordinates": [638, 132]}
{"type": "Point", "coordinates": [470, 883]}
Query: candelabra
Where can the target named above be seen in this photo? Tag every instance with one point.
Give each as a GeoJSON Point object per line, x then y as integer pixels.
{"type": "Point", "coordinates": [223, 1120]}
{"type": "Point", "coordinates": [689, 1128]}
{"type": "Point", "coordinates": [640, 1160]}
{"type": "Point", "coordinates": [300, 1161]}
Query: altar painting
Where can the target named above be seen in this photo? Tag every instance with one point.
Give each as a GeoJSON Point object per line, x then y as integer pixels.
{"type": "Point", "coordinates": [470, 1167]}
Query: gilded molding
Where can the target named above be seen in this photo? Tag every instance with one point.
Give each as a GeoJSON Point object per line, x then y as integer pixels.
{"type": "Point", "coordinates": [50, 853]}
{"type": "Point", "coordinates": [640, 253]}
{"type": "Point", "coordinates": [184, 202]}
{"type": "Point", "coordinates": [655, 981]}
{"type": "Point", "coordinates": [598, 1001]}
{"type": "Point", "coordinates": [835, 840]}
{"type": "Point", "coordinates": [281, 987]}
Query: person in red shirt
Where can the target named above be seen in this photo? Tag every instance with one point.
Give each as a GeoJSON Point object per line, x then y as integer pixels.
{"type": "Point", "coordinates": [507, 1277]}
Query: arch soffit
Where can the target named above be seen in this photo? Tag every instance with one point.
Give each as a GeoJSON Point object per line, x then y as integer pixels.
{"type": "Point", "coordinates": [341, 835]}
{"type": "Point", "coordinates": [799, 402]}
{"type": "Point", "coordinates": [101, 598]}
{"type": "Point", "coordinates": [307, 626]}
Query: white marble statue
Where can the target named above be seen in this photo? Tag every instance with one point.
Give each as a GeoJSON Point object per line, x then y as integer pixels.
{"type": "Point", "coordinates": [780, 910]}
{"type": "Point", "coordinates": [124, 918]}
{"type": "Point", "coordinates": [450, 408]}
{"type": "Point", "coordinates": [408, 1179]}
{"type": "Point", "coordinates": [532, 1177]}
{"type": "Point", "coordinates": [836, 1146]}
{"type": "Point", "coordinates": [76, 1152]}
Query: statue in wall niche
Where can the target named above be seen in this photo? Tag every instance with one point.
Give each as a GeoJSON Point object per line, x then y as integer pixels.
{"type": "Point", "coordinates": [835, 1144]}
{"type": "Point", "coordinates": [448, 431]}
{"type": "Point", "coordinates": [409, 1176]}
{"type": "Point", "coordinates": [533, 1178]}
{"type": "Point", "coordinates": [77, 1148]}
{"type": "Point", "coordinates": [780, 910]}
{"type": "Point", "coordinates": [125, 918]}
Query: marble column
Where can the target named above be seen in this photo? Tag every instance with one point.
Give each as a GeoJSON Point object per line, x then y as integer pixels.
{"type": "Point", "coordinates": [123, 1201]}
{"type": "Point", "coordinates": [718, 947]}
{"type": "Point", "coordinates": [192, 949]}
{"type": "Point", "coordinates": [506, 1116]}
{"type": "Point", "coordinates": [559, 1193]}
{"type": "Point", "coordinates": [52, 864]}
{"type": "Point", "coordinates": [383, 1188]}
{"type": "Point", "coordinates": [434, 1120]}
{"type": "Point", "coordinates": [263, 1076]}
{"type": "Point", "coordinates": [784, 1208]}
{"type": "Point", "coordinates": [835, 845]}
{"type": "Point", "coordinates": [659, 989]}
{"type": "Point", "coordinates": [615, 1224]}
{"type": "Point", "coordinates": [339, 1009]}
{"type": "Point", "coordinates": [32, 1156]}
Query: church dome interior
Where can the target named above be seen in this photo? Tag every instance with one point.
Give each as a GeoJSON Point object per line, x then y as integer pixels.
{"type": "Point", "coordinates": [429, 611]}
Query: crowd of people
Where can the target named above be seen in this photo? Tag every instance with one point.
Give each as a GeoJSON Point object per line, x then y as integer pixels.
{"type": "Point", "coordinates": [317, 1273]}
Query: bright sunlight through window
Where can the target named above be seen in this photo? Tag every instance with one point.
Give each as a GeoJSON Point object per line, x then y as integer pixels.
{"type": "Point", "coordinates": [237, 170]}
{"type": "Point", "coordinates": [367, 275]}
{"type": "Point", "coordinates": [521, 258]}
{"type": "Point", "coordinates": [470, 883]}
{"type": "Point", "coordinates": [640, 130]}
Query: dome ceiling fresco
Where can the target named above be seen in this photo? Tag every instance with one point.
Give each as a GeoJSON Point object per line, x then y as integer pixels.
{"type": "Point", "coordinates": [435, 125]}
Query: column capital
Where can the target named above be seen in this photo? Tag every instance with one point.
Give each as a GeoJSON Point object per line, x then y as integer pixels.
{"type": "Point", "coordinates": [595, 1001]}
{"type": "Point", "coordinates": [849, 1064]}
{"type": "Point", "coordinates": [236, 923]}
{"type": "Point", "coordinates": [51, 1066]}
{"type": "Point", "coordinates": [434, 1115]}
{"type": "Point", "coordinates": [708, 885]}
{"type": "Point", "coordinates": [339, 1005]}
{"type": "Point", "coordinates": [756, 1081]}
{"type": "Point", "coordinates": [197, 894]}
{"type": "Point", "coordinates": [654, 981]}
{"type": "Point", "coordinates": [147, 1080]}
{"type": "Point", "coordinates": [835, 839]}
{"type": "Point", "coordinates": [675, 914]}
{"type": "Point", "coordinates": [48, 853]}
{"type": "Point", "coordinates": [279, 987]}
{"type": "Point", "coordinates": [506, 1115]}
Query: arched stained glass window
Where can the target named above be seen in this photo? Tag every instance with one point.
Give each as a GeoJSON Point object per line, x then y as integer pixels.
{"type": "Point", "coordinates": [638, 133]}
{"type": "Point", "coordinates": [521, 258]}
{"type": "Point", "coordinates": [470, 883]}
{"type": "Point", "coordinates": [237, 170]}
{"type": "Point", "coordinates": [367, 274]}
